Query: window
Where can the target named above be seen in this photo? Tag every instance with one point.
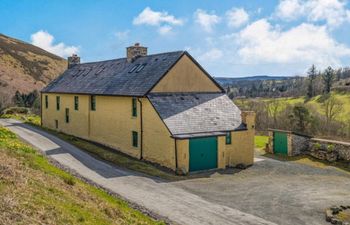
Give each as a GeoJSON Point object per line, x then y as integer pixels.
{"type": "Point", "coordinates": [134, 139]}
{"type": "Point", "coordinates": [134, 68]}
{"type": "Point", "coordinates": [93, 102]}
{"type": "Point", "coordinates": [134, 107]}
{"type": "Point", "coordinates": [76, 102]}
{"type": "Point", "coordinates": [228, 138]}
{"type": "Point", "coordinates": [58, 102]}
{"type": "Point", "coordinates": [140, 67]}
{"type": "Point", "coordinates": [56, 124]}
{"type": "Point", "coordinates": [46, 101]}
{"type": "Point", "coordinates": [67, 115]}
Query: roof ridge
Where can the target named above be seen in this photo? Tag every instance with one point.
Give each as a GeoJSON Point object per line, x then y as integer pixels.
{"type": "Point", "coordinates": [108, 60]}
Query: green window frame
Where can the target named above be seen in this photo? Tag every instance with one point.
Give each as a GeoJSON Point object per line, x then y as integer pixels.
{"type": "Point", "coordinates": [93, 102]}
{"type": "Point", "coordinates": [46, 101]}
{"type": "Point", "coordinates": [67, 115]}
{"type": "Point", "coordinates": [228, 138]}
{"type": "Point", "coordinates": [134, 107]}
{"type": "Point", "coordinates": [135, 138]}
{"type": "Point", "coordinates": [76, 103]}
{"type": "Point", "coordinates": [58, 100]}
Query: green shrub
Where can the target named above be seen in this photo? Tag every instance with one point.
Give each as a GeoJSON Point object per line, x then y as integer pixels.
{"type": "Point", "coordinates": [317, 145]}
{"type": "Point", "coordinates": [15, 110]}
{"type": "Point", "coordinates": [330, 148]}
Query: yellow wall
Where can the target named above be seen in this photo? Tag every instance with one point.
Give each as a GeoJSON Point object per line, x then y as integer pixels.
{"type": "Point", "coordinates": [183, 154]}
{"type": "Point", "coordinates": [112, 123]}
{"type": "Point", "coordinates": [78, 119]}
{"type": "Point", "coordinates": [158, 146]}
{"type": "Point", "coordinates": [241, 149]}
{"type": "Point", "coordinates": [185, 76]}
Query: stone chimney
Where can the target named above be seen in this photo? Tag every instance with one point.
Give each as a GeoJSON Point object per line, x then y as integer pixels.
{"type": "Point", "coordinates": [73, 60]}
{"type": "Point", "coordinates": [132, 52]}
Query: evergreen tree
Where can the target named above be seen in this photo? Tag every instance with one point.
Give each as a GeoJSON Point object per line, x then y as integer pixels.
{"type": "Point", "coordinates": [312, 74]}
{"type": "Point", "coordinates": [328, 78]}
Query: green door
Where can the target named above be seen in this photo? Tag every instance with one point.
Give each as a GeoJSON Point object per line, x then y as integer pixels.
{"type": "Point", "coordinates": [203, 153]}
{"type": "Point", "coordinates": [280, 143]}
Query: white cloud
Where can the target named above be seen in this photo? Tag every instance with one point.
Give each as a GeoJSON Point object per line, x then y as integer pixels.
{"type": "Point", "coordinates": [163, 20]}
{"type": "Point", "coordinates": [206, 20]}
{"type": "Point", "coordinates": [289, 9]}
{"type": "Point", "coordinates": [333, 12]}
{"type": "Point", "coordinates": [260, 42]}
{"type": "Point", "coordinates": [211, 55]}
{"type": "Point", "coordinates": [164, 30]}
{"type": "Point", "coordinates": [45, 41]}
{"type": "Point", "coordinates": [237, 17]}
{"type": "Point", "coordinates": [154, 18]}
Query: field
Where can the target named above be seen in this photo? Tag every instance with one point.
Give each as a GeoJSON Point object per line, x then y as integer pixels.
{"type": "Point", "coordinates": [32, 191]}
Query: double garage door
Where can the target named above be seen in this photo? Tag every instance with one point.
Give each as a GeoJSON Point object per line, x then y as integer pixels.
{"type": "Point", "coordinates": [203, 153]}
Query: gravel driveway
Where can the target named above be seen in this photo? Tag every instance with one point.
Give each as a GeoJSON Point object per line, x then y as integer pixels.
{"type": "Point", "coordinates": [282, 192]}
{"type": "Point", "coordinates": [270, 192]}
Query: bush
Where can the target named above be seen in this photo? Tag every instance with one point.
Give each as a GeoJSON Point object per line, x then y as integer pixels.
{"type": "Point", "coordinates": [69, 180]}
{"type": "Point", "coordinates": [317, 146]}
{"type": "Point", "coordinates": [15, 110]}
{"type": "Point", "coordinates": [330, 148]}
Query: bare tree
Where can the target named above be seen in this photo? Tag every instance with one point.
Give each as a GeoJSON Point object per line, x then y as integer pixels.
{"type": "Point", "coordinates": [332, 107]}
{"type": "Point", "coordinates": [273, 108]}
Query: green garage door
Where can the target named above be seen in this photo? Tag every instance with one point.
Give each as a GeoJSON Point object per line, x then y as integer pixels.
{"type": "Point", "coordinates": [280, 143]}
{"type": "Point", "coordinates": [203, 153]}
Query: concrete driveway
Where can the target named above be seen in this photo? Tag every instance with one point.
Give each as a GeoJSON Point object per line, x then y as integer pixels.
{"type": "Point", "coordinates": [270, 192]}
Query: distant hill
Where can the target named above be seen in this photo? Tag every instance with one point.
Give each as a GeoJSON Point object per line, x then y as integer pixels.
{"type": "Point", "coordinates": [25, 67]}
{"type": "Point", "coordinates": [231, 80]}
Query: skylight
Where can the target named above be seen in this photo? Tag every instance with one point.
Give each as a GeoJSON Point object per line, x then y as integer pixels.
{"type": "Point", "coordinates": [134, 68]}
{"type": "Point", "coordinates": [141, 67]}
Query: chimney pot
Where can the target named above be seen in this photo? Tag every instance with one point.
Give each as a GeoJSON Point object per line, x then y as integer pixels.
{"type": "Point", "coordinates": [135, 51]}
{"type": "Point", "coordinates": [73, 60]}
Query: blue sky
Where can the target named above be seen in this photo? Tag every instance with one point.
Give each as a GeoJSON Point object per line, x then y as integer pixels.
{"type": "Point", "coordinates": [229, 38]}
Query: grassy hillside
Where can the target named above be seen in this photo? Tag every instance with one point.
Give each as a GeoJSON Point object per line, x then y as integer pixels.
{"type": "Point", "coordinates": [315, 102]}
{"type": "Point", "coordinates": [25, 67]}
{"type": "Point", "coordinates": [32, 191]}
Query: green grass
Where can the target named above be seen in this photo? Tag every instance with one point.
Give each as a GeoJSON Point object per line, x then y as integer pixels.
{"type": "Point", "coordinates": [261, 141]}
{"type": "Point", "coordinates": [105, 153]}
{"type": "Point", "coordinates": [32, 191]}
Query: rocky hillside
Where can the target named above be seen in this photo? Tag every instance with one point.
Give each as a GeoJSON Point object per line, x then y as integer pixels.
{"type": "Point", "coordinates": [25, 67]}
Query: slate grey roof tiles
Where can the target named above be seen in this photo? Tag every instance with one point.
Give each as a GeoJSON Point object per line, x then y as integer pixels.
{"type": "Point", "coordinates": [112, 77]}
{"type": "Point", "coordinates": [197, 114]}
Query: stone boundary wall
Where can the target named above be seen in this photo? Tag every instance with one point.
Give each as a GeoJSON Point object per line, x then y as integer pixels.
{"type": "Point", "coordinates": [329, 150]}
{"type": "Point", "coordinates": [322, 149]}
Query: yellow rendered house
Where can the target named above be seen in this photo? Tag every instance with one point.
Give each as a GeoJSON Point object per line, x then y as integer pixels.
{"type": "Point", "coordinates": [163, 108]}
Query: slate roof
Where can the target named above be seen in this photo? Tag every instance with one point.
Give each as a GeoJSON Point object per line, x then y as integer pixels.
{"type": "Point", "coordinates": [197, 114]}
{"type": "Point", "coordinates": [112, 77]}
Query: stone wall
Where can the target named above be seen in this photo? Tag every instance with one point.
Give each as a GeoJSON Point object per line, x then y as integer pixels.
{"type": "Point", "coordinates": [329, 150]}
{"type": "Point", "coordinates": [300, 144]}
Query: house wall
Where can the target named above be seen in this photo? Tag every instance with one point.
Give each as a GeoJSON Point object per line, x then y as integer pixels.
{"type": "Point", "coordinates": [158, 145]}
{"type": "Point", "coordinates": [241, 149]}
{"type": "Point", "coordinates": [183, 159]}
{"type": "Point", "coordinates": [112, 123]}
{"type": "Point", "coordinates": [186, 76]}
{"type": "Point", "coordinates": [78, 124]}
